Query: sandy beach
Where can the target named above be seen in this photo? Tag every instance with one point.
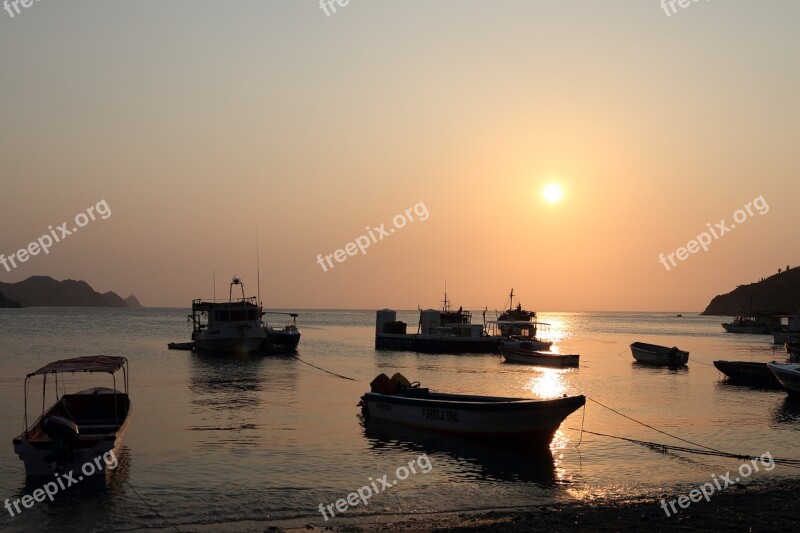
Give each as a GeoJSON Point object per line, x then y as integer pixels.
{"type": "Point", "coordinates": [755, 507]}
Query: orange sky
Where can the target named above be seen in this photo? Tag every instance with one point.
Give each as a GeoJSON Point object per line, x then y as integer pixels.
{"type": "Point", "coordinates": [200, 124]}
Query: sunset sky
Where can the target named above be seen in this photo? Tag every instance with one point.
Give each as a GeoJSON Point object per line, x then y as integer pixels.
{"type": "Point", "coordinates": [200, 123]}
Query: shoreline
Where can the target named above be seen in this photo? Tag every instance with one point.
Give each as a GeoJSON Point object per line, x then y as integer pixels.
{"type": "Point", "coordinates": [753, 507]}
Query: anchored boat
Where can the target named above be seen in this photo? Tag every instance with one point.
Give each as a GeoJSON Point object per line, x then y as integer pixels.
{"type": "Point", "coordinates": [80, 426]}
{"type": "Point", "coordinates": [653, 354]}
{"type": "Point", "coordinates": [398, 401]}
{"type": "Point", "coordinates": [518, 328]}
{"type": "Point", "coordinates": [788, 374]}
{"type": "Point", "coordinates": [748, 373]}
{"type": "Point", "coordinates": [235, 326]}
{"type": "Point", "coordinates": [444, 331]}
{"type": "Point", "coordinates": [530, 357]}
{"type": "Point", "coordinates": [757, 324]}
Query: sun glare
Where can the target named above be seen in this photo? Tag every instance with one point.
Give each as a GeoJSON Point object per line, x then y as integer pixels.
{"type": "Point", "coordinates": [552, 193]}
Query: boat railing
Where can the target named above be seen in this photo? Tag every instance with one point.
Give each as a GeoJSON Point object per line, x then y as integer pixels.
{"type": "Point", "coordinates": [252, 300]}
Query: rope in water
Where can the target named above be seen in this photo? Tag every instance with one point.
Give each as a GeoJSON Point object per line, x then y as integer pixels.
{"type": "Point", "coordinates": [319, 368]}
{"type": "Point", "coordinates": [653, 428]}
{"type": "Point", "coordinates": [151, 507]}
{"type": "Point", "coordinates": [664, 448]}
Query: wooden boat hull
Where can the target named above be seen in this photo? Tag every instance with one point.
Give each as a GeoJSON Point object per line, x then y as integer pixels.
{"type": "Point", "coordinates": [180, 346]}
{"type": "Point", "coordinates": [281, 340]}
{"type": "Point", "coordinates": [782, 337]}
{"type": "Point", "coordinates": [755, 329]}
{"type": "Point", "coordinates": [527, 357]}
{"type": "Point", "coordinates": [788, 375]}
{"type": "Point", "coordinates": [435, 343]}
{"type": "Point", "coordinates": [214, 341]}
{"type": "Point", "coordinates": [487, 417]}
{"type": "Point", "coordinates": [653, 354]}
{"type": "Point", "coordinates": [530, 345]}
{"type": "Point", "coordinates": [752, 374]}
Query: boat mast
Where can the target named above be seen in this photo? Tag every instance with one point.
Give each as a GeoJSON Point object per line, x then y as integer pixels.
{"type": "Point", "coordinates": [445, 302]}
{"type": "Point", "coordinates": [258, 273]}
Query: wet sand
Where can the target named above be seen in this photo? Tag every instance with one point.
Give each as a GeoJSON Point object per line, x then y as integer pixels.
{"type": "Point", "coordinates": [755, 507]}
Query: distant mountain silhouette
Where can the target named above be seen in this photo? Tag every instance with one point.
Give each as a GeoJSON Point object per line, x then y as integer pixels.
{"type": "Point", "coordinates": [132, 301]}
{"type": "Point", "coordinates": [6, 303]}
{"type": "Point", "coordinates": [778, 294]}
{"type": "Point", "coordinates": [44, 291]}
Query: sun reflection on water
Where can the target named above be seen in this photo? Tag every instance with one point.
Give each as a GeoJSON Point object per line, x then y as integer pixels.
{"type": "Point", "coordinates": [548, 383]}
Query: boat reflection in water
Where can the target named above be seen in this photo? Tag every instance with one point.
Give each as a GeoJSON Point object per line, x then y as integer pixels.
{"type": "Point", "coordinates": [787, 412]}
{"type": "Point", "coordinates": [226, 396]}
{"type": "Point", "coordinates": [485, 460]}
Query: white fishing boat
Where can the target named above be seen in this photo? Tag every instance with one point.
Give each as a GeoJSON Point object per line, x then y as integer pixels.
{"type": "Point", "coordinates": [754, 325]}
{"type": "Point", "coordinates": [79, 427]}
{"type": "Point", "coordinates": [653, 354]}
{"type": "Point", "coordinates": [518, 328]}
{"type": "Point", "coordinates": [529, 357]}
{"type": "Point", "coordinates": [445, 331]}
{"type": "Point", "coordinates": [788, 374]}
{"type": "Point", "coordinates": [228, 326]}
{"type": "Point", "coordinates": [482, 416]}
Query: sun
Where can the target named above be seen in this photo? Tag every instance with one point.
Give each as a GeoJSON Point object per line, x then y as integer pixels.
{"type": "Point", "coordinates": [552, 193]}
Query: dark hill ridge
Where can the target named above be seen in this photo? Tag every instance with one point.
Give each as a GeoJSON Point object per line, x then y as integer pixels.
{"type": "Point", "coordinates": [778, 294]}
{"type": "Point", "coordinates": [44, 291]}
{"type": "Point", "coordinates": [6, 303]}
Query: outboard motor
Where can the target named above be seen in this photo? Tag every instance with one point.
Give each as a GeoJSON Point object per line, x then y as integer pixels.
{"type": "Point", "coordinates": [64, 433]}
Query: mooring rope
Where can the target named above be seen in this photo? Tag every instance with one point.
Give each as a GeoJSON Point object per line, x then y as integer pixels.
{"type": "Point", "coordinates": [319, 368]}
{"type": "Point", "coordinates": [151, 507]}
{"type": "Point", "coordinates": [665, 448]}
{"type": "Point", "coordinates": [653, 428]}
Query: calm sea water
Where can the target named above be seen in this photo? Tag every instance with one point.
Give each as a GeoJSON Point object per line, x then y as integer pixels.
{"type": "Point", "coordinates": [231, 440]}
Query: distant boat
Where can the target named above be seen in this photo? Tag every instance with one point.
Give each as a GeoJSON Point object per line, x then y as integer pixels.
{"type": "Point", "coordinates": [480, 416]}
{"type": "Point", "coordinates": [789, 376]}
{"type": "Point", "coordinates": [518, 328]}
{"type": "Point", "coordinates": [445, 331]}
{"type": "Point", "coordinates": [235, 326]}
{"type": "Point", "coordinates": [653, 354]}
{"type": "Point", "coordinates": [748, 373]}
{"type": "Point", "coordinates": [679, 315]}
{"type": "Point", "coordinates": [80, 426]}
{"type": "Point", "coordinates": [747, 324]}
{"type": "Point", "coordinates": [180, 345]}
{"type": "Point", "coordinates": [529, 357]}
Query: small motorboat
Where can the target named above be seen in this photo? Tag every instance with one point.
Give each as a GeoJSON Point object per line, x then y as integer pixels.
{"type": "Point", "coordinates": [531, 357]}
{"type": "Point", "coordinates": [748, 324]}
{"type": "Point", "coordinates": [653, 354]}
{"type": "Point", "coordinates": [788, 374]}
{"type": "Point", "coordinates": [180, 346]}
{"type": "Point", "coordinates": [80, 427]}
{"type": "Point", "coordinates": [793, 351]}
{"type": "Point", "coordinates": [748, 373]}
{"type": "Point", "coordinates": [398, 401]}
